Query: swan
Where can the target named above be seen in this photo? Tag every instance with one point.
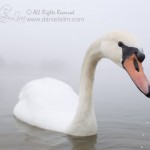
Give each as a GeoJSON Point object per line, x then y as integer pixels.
{"type": "Point", "coordinates": [53, 105]}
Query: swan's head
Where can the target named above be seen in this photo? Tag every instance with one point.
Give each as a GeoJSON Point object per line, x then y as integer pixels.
{"type": "Point", "coordinates": [123, 49]}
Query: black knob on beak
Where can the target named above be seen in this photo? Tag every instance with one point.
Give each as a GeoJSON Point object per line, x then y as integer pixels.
{"type": "Point", "coordinates": [140, 56]}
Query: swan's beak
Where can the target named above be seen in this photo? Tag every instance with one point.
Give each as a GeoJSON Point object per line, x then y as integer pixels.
{"type": "Point", "coordinates": [135, 71]}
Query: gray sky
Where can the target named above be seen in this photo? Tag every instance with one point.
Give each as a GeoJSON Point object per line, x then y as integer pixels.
{"type": "Point", "coordinates": [66, 43]}
{"type": "Point", "coordinates": [60, 46]}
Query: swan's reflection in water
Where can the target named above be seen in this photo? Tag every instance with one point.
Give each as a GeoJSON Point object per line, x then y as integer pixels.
{"type": "Point", "coordinates": [50, 140]}
{"type": "Point", "coordinates": [83, 143]}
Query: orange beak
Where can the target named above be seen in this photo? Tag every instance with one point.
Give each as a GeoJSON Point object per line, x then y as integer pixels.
{"type": "Point", "coordinates": [135, 70]}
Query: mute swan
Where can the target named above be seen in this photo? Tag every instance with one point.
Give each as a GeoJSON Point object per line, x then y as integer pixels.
{"type": "Point", "coordinates": [51, 104]}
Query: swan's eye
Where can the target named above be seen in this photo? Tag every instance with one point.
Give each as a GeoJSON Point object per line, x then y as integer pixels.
{"type": "Point", "coordinates": [120, 44]}
{"type": "Point", "coordinates": [136, 65]}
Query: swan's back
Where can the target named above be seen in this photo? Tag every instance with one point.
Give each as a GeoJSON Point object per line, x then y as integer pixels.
{"type": "Point", "coordinates": [47, 103]}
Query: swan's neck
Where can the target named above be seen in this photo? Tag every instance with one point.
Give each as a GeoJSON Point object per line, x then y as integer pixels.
{"type": "Point", "coordinates": [84, 122]}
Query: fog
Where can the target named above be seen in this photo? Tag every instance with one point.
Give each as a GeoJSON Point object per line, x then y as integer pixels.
{"type": "Point", "coordinates": [60, 46]}
{"type": "Point", "coordinates": [37, 40]}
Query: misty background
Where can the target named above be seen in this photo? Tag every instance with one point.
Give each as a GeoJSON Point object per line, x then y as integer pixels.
{"type": "Point", "coordinates": [31, 50]}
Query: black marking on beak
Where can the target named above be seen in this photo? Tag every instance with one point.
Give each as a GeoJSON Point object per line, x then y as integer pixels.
{"type": "Point", "coordinates": [148, 95]}
{"type": "Point", "coordinates": [140, 56]}
{"type": "Point", "coordinates": [128, 51]}
{"type": "Point", "coordinates": [136, 65]}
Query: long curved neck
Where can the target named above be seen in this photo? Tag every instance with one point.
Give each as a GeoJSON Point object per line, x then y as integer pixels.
{"type": "Point", "coordinates": [86, 82]}
{"type": "Point", "coordinates": [84, 122]}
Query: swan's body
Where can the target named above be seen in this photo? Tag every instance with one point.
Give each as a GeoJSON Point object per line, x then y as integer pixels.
{"type": "Point", "coordinates": [51, 104]}
{"type": "Point", "coordinates": [49, 96]}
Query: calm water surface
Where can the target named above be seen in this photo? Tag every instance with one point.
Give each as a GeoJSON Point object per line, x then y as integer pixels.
{"type": "Point", "coordinates": [123, 121]}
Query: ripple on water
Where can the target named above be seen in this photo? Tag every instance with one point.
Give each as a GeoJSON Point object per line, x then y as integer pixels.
{"type": "Point", "coordinates": [122, 135]}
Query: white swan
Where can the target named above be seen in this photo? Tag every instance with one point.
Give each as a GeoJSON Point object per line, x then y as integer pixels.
{"type": "Point", "coordinates": [51, 104]}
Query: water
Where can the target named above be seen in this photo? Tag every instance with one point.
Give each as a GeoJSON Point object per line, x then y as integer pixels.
{"type": "Point", "coordinates": [123, 120]}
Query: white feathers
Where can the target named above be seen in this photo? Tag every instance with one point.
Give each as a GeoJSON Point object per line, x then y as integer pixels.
{"type": "Point", "coordinates": [47, 103]}
{"type": "Point", "coordinates": [124, 36]}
